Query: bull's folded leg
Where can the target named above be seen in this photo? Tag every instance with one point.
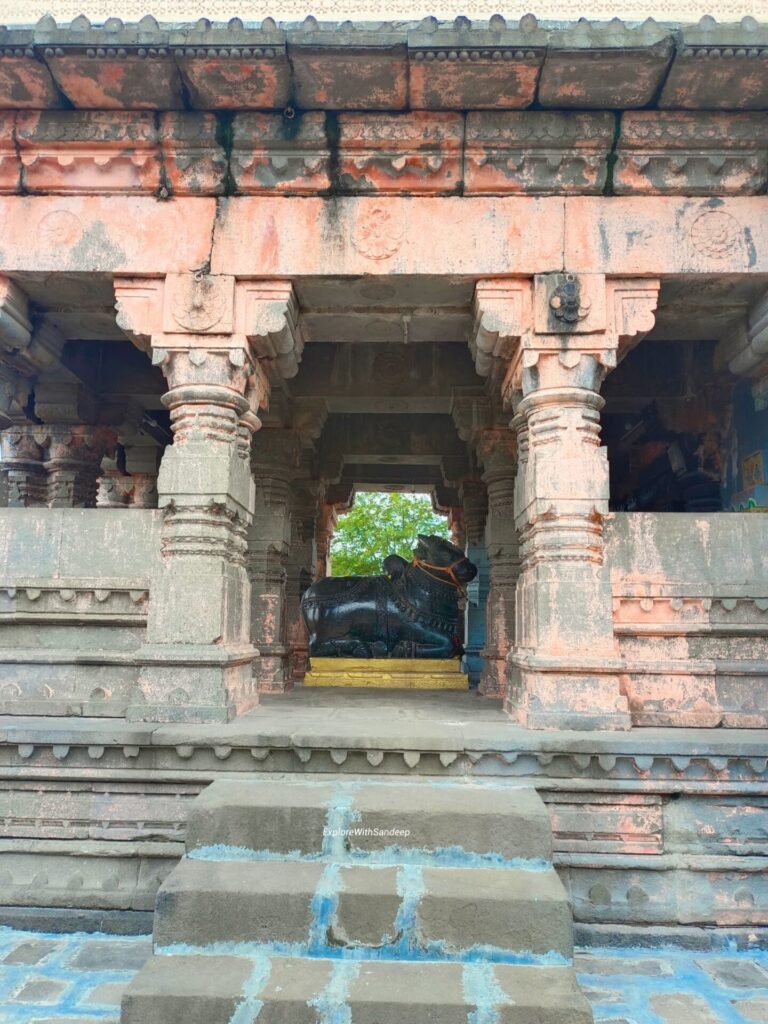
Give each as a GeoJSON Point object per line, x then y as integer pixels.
{"type": "Point", "coordinates": [347, 648]}
{"type": "Point", "coordinates": [409, 649]}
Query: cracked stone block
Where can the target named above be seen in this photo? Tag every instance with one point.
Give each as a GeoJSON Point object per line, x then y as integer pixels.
{"type": "Point", "coordinates": [31, 952]}
{"type": "Point", "coordinates": [682, 1008]}
{"type": "Point", "coordinates": [108, 955]}
{"type": "Point", "coordinates": [735, 974]}
{"type": "Point", "coordinates": [752, 1009]}
{"type": "Point", "coordinates": [41, 990]}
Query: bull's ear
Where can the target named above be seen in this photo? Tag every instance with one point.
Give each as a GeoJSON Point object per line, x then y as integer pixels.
{"type": "Point", "coordinates": [394, 566]}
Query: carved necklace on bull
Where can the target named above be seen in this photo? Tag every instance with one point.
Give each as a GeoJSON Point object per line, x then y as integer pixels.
{"type": "Point", "coordinates": [442, 591]}
{"type": "Point", "coordinates": [427, 567]}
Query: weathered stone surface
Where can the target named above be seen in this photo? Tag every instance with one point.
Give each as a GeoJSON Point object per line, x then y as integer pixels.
{"type": "Point", "coordinates": [369, 73]}
{"type": "Point", "coordinates": [735, 975]}
{"type": "Point", "coordinates": [277, 154]}
{"type": "Point", "coordinates": [458, 68]}
{"type": "Point", "coordinates": [64, 152]}
{"type": "Point", "coordinates": [680, 153]}
{"type": "Point", "coordinates": [520, 910]}
{"type": "Point", "coordinates": [682, 1008]}
{"type": "Point", "coordinates": [198, 990]}
{"type": "Point", "coordinates": [266, 817]}
{"type": "Point", "coordinates": [193, 160]}
{"type": "Point", "coordinates": [226, 68]}
{"type": "Point", "coordinates": [719, 67]}
{"type": "Point", "coordinates": [592, 65]}
{"type": "Point", "coordinates": [537, 153]}
{"type": "Point", "coordinates": [755, 1008]}
{"type": "Point", "coordinates": [417, 153]}
{"type": "Point", "coordinates": [110, 955]}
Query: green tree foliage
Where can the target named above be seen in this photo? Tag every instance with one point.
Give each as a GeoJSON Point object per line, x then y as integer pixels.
{"type": "Point", "coordinates": [379, 525]}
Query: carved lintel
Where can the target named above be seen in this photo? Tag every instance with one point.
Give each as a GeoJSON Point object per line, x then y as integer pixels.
{"type": "Point", "coordinates": [15, 325]}
{"type": "Point", "coordinates": [268, 314]}
{"type": "Point", "coordinates": [503, 314]}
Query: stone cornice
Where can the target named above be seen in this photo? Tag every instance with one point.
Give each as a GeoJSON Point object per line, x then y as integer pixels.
{"type": "Point", "coordinates": [380, 64]}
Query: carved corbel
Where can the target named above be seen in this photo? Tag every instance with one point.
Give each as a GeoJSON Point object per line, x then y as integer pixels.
{"type": "Point", "coordinates": [503, 313]}
{"type": "Point", "coordinates": [268, 315]}
{"type": "Point", "coordinates": [744, 351]}
{"type": "Point", "coordinates": [139, 304]}
{"type": "Point", "coordinates": [632, 310]}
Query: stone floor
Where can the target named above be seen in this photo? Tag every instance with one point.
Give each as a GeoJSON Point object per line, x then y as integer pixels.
{"type": "Point", "coordinates": [79, 979]}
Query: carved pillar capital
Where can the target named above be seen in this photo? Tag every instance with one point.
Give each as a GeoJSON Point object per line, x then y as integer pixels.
{"type": "Point", "coordinates": [559, 328]}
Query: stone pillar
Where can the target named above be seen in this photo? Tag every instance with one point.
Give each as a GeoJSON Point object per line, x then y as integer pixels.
{"type": "Point", "coordinates": [198, 654]}
{"type": "Point", "coordinates": [475, 504]}
{"type": "Point", "coordinates": [73, 463]}
{"type": "Point", "coordinates": [23, 480]}
{"type": "Point", "coordinates": [306, 497]}
{"type": "Point", "coordinates": [326, 527]}
{"type": "Point", "coordinates": [559, 338]}
{"type": "Point", "coordinates": [496, 451]}
{"type": "Point", "coordinates": [273, 463]}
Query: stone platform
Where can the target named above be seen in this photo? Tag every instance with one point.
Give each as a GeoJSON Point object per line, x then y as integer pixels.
{"type": "Point", "coordinates": [653, 828]}
{"type": "Point", "coordinates": [388, 673]}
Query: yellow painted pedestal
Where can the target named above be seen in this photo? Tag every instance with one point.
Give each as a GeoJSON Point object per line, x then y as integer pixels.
{"type": "Point", "coordinates": [389, 673]}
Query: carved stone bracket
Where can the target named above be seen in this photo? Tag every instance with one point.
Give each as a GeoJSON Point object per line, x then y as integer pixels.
{"type": "Point", "coordinates": [521, 322]}
{"type": "Point", "coordinates": [269, 315]}
{"type": "Point", "coordinates": [745, 351]}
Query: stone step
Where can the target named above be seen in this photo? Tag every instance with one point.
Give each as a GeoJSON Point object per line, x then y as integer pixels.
{"type": "Point", "coordinates": [190, 989]}
{"type": "Point", "coordinates": [325, 906]}
{"type": "Point", "coordinates": [461, 824]}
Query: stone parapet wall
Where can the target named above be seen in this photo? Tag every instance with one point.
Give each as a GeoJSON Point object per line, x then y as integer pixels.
{"type": "Point", "coordinates": [690, 608]}
{"type": "Point", "coordinates": [74, 591]}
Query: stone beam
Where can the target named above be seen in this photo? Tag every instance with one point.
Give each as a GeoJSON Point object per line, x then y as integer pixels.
{"type": "Point", "coordinates": [274, 237]}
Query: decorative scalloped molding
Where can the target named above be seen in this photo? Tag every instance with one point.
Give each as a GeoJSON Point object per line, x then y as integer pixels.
{"type": "Point", "coordinates": [12, 12]}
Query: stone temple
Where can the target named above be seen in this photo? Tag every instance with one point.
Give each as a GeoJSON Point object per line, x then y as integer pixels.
{"type": "Point", "coordinates": [250, 270]}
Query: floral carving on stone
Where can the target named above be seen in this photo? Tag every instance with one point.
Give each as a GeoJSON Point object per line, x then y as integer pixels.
{"type": "Point", "coordinates": [716, 235]}
{"type": "Point", "coordinates": [60, 227]}
{"type": "Point", "coordinates": [376, 234]}
{"type": "Point", "coordinates": [199, 303]}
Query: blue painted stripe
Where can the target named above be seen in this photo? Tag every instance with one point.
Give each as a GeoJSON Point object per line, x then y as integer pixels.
{"type": "Point", "coordinates": [333, 1002]}
{"type": "Point", "coordinates": [410, 889]}
{"type": "Point", "coordinates": [433, 952]}
{"type": "Point", "coordinates": [387, 856]}
{"type": "Point", "coordinates": [249, 1009]}
{"type": "Point", "coordinates": [482, 990]}
{"type": "Point", "coordinates": [325, 905]}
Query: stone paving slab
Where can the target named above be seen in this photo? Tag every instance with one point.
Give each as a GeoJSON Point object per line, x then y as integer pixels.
{"type": "Point", "coordinates": [80, 978]}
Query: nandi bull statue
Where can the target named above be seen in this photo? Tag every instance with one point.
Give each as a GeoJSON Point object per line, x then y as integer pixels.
{"type": "Point", "coordinates": [412, 611]}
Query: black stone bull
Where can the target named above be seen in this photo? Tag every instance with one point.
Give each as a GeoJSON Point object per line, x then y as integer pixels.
{"type": "Point", "coordinates": [410, 612]}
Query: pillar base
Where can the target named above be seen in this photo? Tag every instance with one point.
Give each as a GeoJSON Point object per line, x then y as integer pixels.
{"type": "Point", "coordinates": [559, 693]}
{"type": "Point", "coordinates": [193, 683]}
{"type": "Point", "coordinates": [494, 679]}
{"type": "Point", "coordinates": [271, 670]}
